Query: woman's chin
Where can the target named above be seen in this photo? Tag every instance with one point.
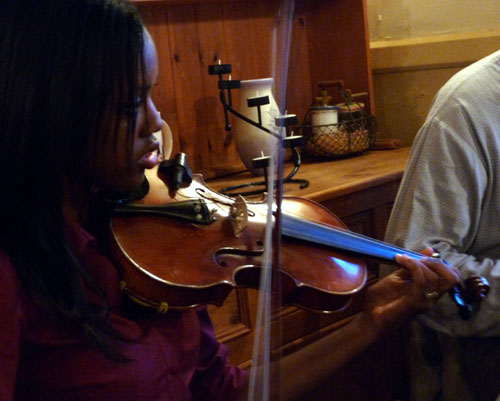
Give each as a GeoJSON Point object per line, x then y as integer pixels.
{"type": "Point", "coordinates": [129, 186]}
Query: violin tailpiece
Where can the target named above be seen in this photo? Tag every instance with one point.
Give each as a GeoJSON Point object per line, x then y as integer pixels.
{"type": "Point", "coordinates": [194, 211]}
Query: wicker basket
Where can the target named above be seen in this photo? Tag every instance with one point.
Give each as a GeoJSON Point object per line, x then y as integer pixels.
{"type": "Point", "coordinates": [338, 140]}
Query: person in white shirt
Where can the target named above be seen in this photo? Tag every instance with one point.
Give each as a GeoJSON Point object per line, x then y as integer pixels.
{"type": "Point", "coordinates": [449, 199]}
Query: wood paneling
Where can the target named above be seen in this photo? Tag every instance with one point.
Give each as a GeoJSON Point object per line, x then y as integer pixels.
{"type": "Point", "coordinates": [328, 41]}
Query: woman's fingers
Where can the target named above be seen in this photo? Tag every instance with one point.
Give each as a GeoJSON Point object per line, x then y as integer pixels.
{"type": "Point", "coordinates": [430, 270]}
{"type": "Point", "coordinates": [448, 275]}
{"type": "Point", "coordinates": [421, 274]}
{"type": "Point", "coordinates": [428, 251]}
{"type": "Point", "coordinates": [431, 278]}
{"type": "Point", "coordinates": [447, 272]}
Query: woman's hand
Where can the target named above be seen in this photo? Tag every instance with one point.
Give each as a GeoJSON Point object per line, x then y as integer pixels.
{"type": "Point", "coordinates": [408, 291]}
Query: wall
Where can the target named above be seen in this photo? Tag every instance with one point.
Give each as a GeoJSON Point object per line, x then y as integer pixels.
{"type": "Point", "coordinates": [400, 19]}
{"type": "Point", "coordinates": [416, 46]}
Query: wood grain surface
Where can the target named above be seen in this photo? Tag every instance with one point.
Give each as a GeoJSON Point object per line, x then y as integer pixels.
{"type": "Point", "coordinates": [335, 178]}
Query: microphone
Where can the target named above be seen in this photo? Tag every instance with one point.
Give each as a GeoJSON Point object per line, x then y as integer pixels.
{"type": "Point", "coordinates": [177, 170]}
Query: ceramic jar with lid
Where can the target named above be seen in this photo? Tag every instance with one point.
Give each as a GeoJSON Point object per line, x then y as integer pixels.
{"type": "Point", "coordinates": [323, 117]}
{"type": "Point", "coordinates": [349, 112]}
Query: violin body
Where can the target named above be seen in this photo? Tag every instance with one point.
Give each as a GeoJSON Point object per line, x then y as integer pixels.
{"type": "Point", "coordinates": [170, 262]}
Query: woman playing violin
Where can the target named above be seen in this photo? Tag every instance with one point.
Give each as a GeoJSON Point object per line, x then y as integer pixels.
{"type": "Point", "coordinates": [76, 121]}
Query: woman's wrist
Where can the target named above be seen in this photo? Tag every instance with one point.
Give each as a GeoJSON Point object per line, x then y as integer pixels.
{"type": "Point", "coordinates": [367, 327]}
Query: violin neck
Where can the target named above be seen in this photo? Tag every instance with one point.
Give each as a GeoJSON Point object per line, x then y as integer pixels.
{"type": "Point", "coordinates": [341, 239]}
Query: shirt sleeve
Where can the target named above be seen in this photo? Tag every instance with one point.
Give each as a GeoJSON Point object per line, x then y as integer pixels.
{"type": "Point", "coordinates": [215, 377]}
{"type": "Point", "coordinates": [445, 201]}
{"type": "Point", "coordinates": [10, 334]}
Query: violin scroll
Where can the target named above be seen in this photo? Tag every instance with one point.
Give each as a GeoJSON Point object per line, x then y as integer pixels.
{"type": "Point", "coordinates": [473, 290]}
{"type": "Point", "coordinates": [476, 288]}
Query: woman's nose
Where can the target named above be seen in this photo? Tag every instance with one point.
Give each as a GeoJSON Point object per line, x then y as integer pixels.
{"type": "Point", "coordinates": [154, 121]}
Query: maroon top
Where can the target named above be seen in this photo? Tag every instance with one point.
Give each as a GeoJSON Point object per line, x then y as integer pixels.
{"type": "Point", "coordinates": [175, 357]}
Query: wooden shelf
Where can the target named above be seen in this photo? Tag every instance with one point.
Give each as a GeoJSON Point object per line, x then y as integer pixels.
{"type": "Point", "coordinates": [334, 178]}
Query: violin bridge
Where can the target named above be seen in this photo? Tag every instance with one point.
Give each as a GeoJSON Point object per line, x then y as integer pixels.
{"type": "Point", "coordinates": [238, 213]}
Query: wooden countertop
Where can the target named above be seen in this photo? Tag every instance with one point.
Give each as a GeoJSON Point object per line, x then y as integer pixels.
{"type": "Point", "coordinates": [331, 179]}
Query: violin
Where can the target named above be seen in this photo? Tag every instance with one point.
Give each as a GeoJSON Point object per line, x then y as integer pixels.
{"type": "Point", "coordinates": [202, 244]}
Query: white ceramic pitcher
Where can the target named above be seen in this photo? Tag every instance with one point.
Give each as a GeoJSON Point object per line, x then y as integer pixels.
{"type": "Point", "coordinates": [252, 142]}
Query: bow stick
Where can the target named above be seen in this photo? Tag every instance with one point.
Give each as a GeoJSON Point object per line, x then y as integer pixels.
{"type": "Point", "coordinates": [260, 373]}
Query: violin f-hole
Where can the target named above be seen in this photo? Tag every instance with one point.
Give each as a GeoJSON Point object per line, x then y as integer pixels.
{"type": "Point", "coordinates": [234, 257]}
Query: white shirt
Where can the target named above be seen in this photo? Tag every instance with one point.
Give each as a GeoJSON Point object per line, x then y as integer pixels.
{"type": "Point", "coordinates": [449, 198]}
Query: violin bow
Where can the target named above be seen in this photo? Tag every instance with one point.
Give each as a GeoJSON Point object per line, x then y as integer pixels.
{"type": "Point", "coordinates": [260, 373]}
